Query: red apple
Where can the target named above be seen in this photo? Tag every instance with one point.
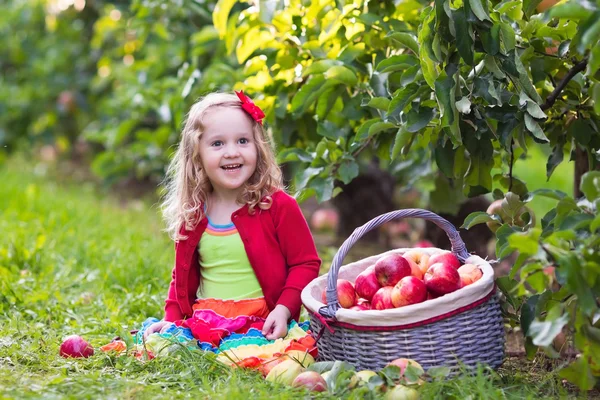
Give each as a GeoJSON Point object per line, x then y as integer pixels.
{"type": "Point", "coordinates": [447, 258]}
{"type": "Point", "coordinates": [346, 294]}
{"type": "Point", "coordinates": [325, 219]}
{"type": "Point", "coordinates": [364, 302]}
{"type": "Point", "coordinates": [431, 295]}
{"type": "Point", "coordinates": [420, 258]}
{"type": "Point", "coordinates": [75, 346]}
{"type": "Point", "coordinates": [469, 273]}
{"type": "Point", "coordinates": [414, 269]}
{"type": "Point", "coordinates": [310, 380]}
{"type": "Point", "coordinates": [382, 300]}
{"type": "Point", "coordinates": [390, 269]}
{"type": "Point", "coordinates": [442, 279]}
{"type": "Point", "coordinates": [402, 363]}
{"type": "Point", "coordinates": [366, 284]}
{"type": "Point", "coordinates": [424, 243]}
{"type": "Point", "coordinates": [409, 290]}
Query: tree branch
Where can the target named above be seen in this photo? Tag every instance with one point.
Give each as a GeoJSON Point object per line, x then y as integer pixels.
{"type": "Point", "coordinates": [575, 69]}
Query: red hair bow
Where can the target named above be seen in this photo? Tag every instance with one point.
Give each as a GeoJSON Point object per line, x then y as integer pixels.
{"type": "Point", "coordinates": [248, 105]}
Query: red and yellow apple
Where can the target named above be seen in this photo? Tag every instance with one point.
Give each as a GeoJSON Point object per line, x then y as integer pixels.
{"type": "Point", "coordinates": [382, 300]}
{"type": "Point", "coordinates": [409, 290]}
{"type": "Point", "coordinates": [402, 363]}
{"type": "Point", "coordinates": [442, 279]}
{"type": "Point", "coordinates": [391, 268]}
{"type": "Point", "coordinates": [469, 273]}
{"type": "Point", "coordinates": [366, 284]}
{"type": "Point", "coordinates": [420, 258]}
{"type": "Point", "coordinates": [310, 380]}
{"type": "Point", "coordinates": [446, 258]}
{"type": "Point", "coordinates": [346, 293]}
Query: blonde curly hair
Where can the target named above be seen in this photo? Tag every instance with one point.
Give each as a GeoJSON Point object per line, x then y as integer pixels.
{"type": "Point", "coordinates": [186, 186]}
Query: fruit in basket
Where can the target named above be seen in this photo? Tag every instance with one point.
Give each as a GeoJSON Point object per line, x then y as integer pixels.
{"type": "Point", "coordinates": [346, 293]}
{"type": "Point", "coordinates": [410, 290]}
{"type": "Point", "coordinates": [415, 270]}
{"type": "Point", "coordinates": [442, 279]}
{"type": "Point", "coordinates": [469, 273]}
{"type": "Point", "coordinates": [310, 380]}
{"type": "Point", "coordinates": [401, 392]}
{"type": "Point", "coordinates": [420, 258]}
{"type": "Point", "coordinates": [366, 284]}
{"type": "Point", "coordinates": [391, 268]}
{"type": "Point", "coordinates": [382, 300]}
{"type": "Point", "coordinates": [446, 258]}
{"type": "Point", "coordinates": [361, 305]}
{"type": "Point", "coordinates": [285, 372]}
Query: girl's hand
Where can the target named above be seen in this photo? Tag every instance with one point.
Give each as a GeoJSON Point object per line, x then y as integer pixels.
{"type": "Point", "coordinates": [275, 326]}
{"type": "Point", "coordinates": [159, 327]}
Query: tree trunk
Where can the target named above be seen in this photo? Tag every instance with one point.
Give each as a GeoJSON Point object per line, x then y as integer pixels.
{"type": "Point", "coordinates": [366, 197]}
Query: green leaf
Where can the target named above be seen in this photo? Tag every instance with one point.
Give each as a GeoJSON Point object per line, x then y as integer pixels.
{"type": "Point", "coordinates": [525, 81]}
{"type": "Point", "coordinates": [552, 194]}
{"type": "Point", "coordinates": [402, 97]}
{"type": "Point", "coordinates": [425, 38]}
{"type": "Point", "coordinates": [381, 103]}
{"type": "Point", "coordinates": [591, 35]}
{"type": "Point", "coordinates": [464, 39]}
{"type": "Point", "coordinates": [533, 108]}
{"type": "Point", "coordinates": [294, 154]}
{"type": "Point", "coordinates": [529, 7]}
{"type": "Point", "coordinates": [321, 366]}
{"type": "Point", "coordinates": [444, 92]}
{"type": "Point", "coordinates": [533, 127]}
{"type": "Point", "coordinates": [405, 39]}
{"type": "Point", "coordinates": [402, 138]}
{"type": "Point", "coordinates": [554, 159]}
{"type": "Point", "coordinates": [476, 218]}
{"type": "Point", "coordinates": [341, 74]}
{"type": "Point", "coordinates": [444, 155]}
{"type": "Point", "coordinates": [596, 94]}
{"type": "Point", "coordinates": [348, 170]}
{"type": "Point", "coordinates": [478, 179]}
{"type": "Point", "coordinates": [571, 9]}
{"type": "Point", "coordinates": [579, 373]}
{"type": "Point", "coordinates": [528, 313]}
{"type": "Point", "coordinates": [220, 15]}
{"type": "Point", "coordinates": [323, 188]}
{"type": "Point", "coordinates": [304, 176]}
{"type": "Point", "coordinates": [363, 131]}
{"type": "Point", "coordinates": [319, 67]}
{"type": "Point", "coordinates": [526, 242]}
{"type": "Point", "coordinates": [507, 34]}
{"type": "Point", "coordinates": [491, 40]}
{"type": "Point", "coordinates": [479, 11]}
{"type": "Point", "coordinates": [492, 66]}
{"type": "Point", "coordinates": [590, 185]}
{"type": "Point", "coordinates": [378, 127]}
{"type": "Point", "coordinates": [307, 94]}
{"type": "Point", "coordinates": [418, 120]}
{"type": "Point", "coordinates": [542, 333]}
{"type": "Point", "coordinates": [396, 63]}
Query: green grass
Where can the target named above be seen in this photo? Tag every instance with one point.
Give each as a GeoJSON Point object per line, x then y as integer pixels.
{"type": "Point", "coordinates": [76, 261]}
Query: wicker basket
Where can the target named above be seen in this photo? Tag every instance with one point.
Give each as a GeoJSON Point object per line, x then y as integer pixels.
{"type": "Point", "coordinates": [461, 328]}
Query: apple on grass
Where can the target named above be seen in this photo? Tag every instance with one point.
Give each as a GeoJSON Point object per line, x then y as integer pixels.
{"type": "Point", "coordinates": [420, 258]}
{"type": "Point", "coordinates": [382, 300]}
{"type": "Point", "coordinates": [310, 380]}
{"type": "Point", "coordinates": [75, 346]}
{"type": "Point", "coordinates": [391, 268]}
{"type": "Point", "coordinates": [409, 290]}
{"type": "Point", "coordinates": [447, 258]}
{"type": "Point", "coordinates": [366, 284]}
{"type": "Point", "coordinates": [469, 273]}
{"type": "Point", "coordinates": [442, 279]}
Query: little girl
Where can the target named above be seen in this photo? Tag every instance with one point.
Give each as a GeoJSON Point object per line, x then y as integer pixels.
{"type": "Point", "coordinates": [242, 245]}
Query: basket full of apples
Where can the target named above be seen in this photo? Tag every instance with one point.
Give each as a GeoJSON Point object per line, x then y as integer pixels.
{"type": "Point", "coordinates": [435, 306]}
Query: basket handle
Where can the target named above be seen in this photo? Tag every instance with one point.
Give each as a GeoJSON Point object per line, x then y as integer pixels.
{"type": "Point", "coordinates": [458, 248]}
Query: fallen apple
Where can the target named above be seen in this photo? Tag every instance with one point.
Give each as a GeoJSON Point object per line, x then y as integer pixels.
{"type": "Point", "coordinates": [469, 273]}
{"type": "Point", "coordinates": [361, 378]}
{"type": "Point", "coordinates": [285, 372]}
{"type": "Point", "coordinates": [401, 392]}
{"type": "Point", "coordinates": [382, 300]}
{"type": "Point", "coordinates": [302, 357]}
{"type": "Point", "coordinates": [75, 346]}
{"type": "Point", "coordinates": [402, 363]}
{"type": "Point", "coordinates": [366, 284]}
{"type": "Point", "coordinates": [409, 290]}
{"type": "Point", "coordinates": [391, 268]}
{"type": "Point", "coordinates": [310, 380]}
{"type": "Point", "coordinates": [442, 279]}
{"type": "Point", "coordinates": [446, 258]}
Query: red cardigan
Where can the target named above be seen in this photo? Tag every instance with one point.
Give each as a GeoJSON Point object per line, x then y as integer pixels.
{"type": "Point", "coordinates": [280, 249]}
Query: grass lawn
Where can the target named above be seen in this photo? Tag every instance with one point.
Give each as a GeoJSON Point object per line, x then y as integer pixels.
{"type": "Point", "coordinates": [73, 261]}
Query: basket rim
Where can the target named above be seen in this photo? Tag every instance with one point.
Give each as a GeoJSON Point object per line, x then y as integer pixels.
{"type": "Point", "coordinates": [332, 324]}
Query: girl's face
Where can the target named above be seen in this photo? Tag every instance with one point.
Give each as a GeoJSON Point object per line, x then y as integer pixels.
{"type": "Point", "coordinates": [227, 149]}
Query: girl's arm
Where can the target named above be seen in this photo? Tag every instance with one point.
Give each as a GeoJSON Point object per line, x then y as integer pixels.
{"type": "Point", "coordinates": [298, 247]}
{"type": "Point", "coordinates": [172, 309]}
